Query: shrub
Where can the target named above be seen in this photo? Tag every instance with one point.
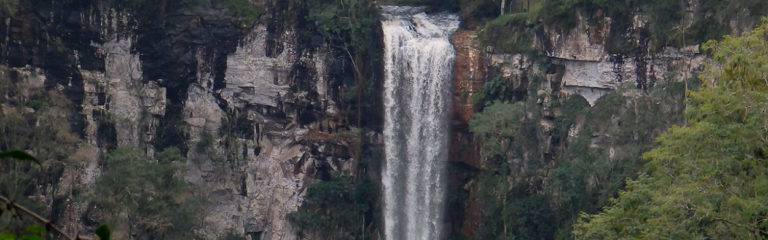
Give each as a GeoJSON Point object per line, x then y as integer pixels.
{"type": "Point", "coordinates": [340, 207]}
{"type": "Point", "coordinates": [147, 196]}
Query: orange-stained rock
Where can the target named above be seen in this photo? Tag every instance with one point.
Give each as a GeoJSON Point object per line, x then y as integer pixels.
{"type": "Point", "coordinates": [469, 77]}
{"type": "Point", "coordinates": [470, 73]}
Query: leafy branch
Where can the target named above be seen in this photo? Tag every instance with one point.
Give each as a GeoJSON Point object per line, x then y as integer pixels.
{"type": "Point", "coordinates": [8, 209]}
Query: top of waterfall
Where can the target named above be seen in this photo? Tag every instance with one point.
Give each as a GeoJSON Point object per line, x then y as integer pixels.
{"type": "Point", "coordinates": [400, 10]}
{"type": "Point", "coordinates": [440, 24]}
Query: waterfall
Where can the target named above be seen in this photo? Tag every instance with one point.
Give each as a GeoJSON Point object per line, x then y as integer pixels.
{"type": "Point", "coordinates": [418, 69]}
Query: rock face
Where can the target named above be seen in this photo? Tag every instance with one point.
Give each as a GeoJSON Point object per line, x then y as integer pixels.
{"type": "Point", "coordinates": [573, 62]}
{"type": "Point", "coordinates": [591, 71]}
{"type": "Point", "coordinates": [258, 111]}
{"type": "Point", "coordinates": [469, 76]}
{"type": "Point", "coordinates": [253, 111]}
{"type": "Point", "coordinates": [273, 157]}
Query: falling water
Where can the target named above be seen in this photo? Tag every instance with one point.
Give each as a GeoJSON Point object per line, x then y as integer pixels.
{"type": "Point", "coordinates": [418, 67]}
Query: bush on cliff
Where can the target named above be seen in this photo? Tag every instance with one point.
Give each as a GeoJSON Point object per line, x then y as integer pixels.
{"type": "Point", "coordinates": [147, 197]}
{"type": "Point", "coordinates": [340, 208]}
{"type": "Point", "coordinates": [544, 163]}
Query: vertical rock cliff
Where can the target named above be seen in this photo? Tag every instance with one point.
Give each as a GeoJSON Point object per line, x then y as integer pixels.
{"type": "Point", "coordinates": [630, 97]}
{"type": "Point", "coordinates": [251, 108]}
{"type": "Point", "coordinates": [262, 109]}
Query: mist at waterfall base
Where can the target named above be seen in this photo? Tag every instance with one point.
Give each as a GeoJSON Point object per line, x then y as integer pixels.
{"type": "Point", "coordinates": [418, 70]}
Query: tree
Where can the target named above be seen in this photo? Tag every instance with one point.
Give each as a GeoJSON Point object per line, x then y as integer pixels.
{"type": "Point", "coordinates": [708, 179]}
{"type": "Point", "coordinates": [147, 197]}
{"type": "Point", "coordinates": [496, 127]}
{"type": "Point", "coordinates": [347, 26]}
{"type": "Point", "coordinates": [10, 209]}
{"type": "Point", "coordinates": [340, 208]}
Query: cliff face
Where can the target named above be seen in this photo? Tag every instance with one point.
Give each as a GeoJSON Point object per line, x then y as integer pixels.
{"type": "Point", "coordinates": [572, 62]}
{"type": "Point", "coordinates": [258, 110]}
{"type": "Point", "coordinates": [591, 71]}
{"type": "Point", "coordinates": [470, 73]}
{"type": "Point", "coordinates": [255, 109]}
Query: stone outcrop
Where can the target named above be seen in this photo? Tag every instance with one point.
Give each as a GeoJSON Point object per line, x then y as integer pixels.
{"type": "Point", "coordinates": [591, 71]}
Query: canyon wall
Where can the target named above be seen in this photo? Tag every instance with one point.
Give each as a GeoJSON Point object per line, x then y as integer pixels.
{"type": "Point", "coordinates": [255, 110]}
{"type": "Point", "coordinates": [571, 62]}
{"type": "Point", "coordinates": [259, 110]}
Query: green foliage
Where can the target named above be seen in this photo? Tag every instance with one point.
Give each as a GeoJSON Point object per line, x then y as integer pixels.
{"type": "Point", "coordinates": [9, 209]}
{"type": "Point", "coordinates": [496, 127]}
{"type": "Point", "coordinates": [704, 181]}
{"type": "Point", "coordinates": [103, 231]}
{"type": "Point", "coordinates": [349, 94]}
{"type": "Point", "coordinates": [38, 103]}
{"type": "Point", "coordinates": [205, 143]}
{"type": "Point", "coordinates": [704, 30]}
{"type": "Point", "coordinates": [245, 9]}
{"type": "Point", "coordinates": [714, 21]}
{"type": "Point", "coordinates": [528, 192]}
{"type": "Point", "coordinates": [19, 155]}
{"type": "Point", "coordinates": [575, 178]}
{"type": "Point", "coordinates": [516, 30]}
{"type": "Point", "coordinates": [707, 179]}
{"type": "Point", "coordinates": [575, 106]}
{"type": "Point", "coordinates": [339, 208]}
{"type": "Point", "coordinates": [146, 195]}
{"type": "Point", "coordinates": [663, 15]}
{"type": "Point", "coordinates": [563, 12]}
{"type": "Point", "coordinates": [8, 7]}
{"type": "Point", "coordinates": [741, 62]}
{"type": "Point", "coordinates": [347, 27]}
{"type": "Point", "coordinates": [475, 10]}
{"type": "Point", "coordinates": [342, 207]}
{"type": "Point", "coordinates": [496, 89]}
{"type": "Point", "coordinates": [510, 19]}
{"type": "Point", "coordinates": [347, 20]}
{"type": "Point", "coordinates": [33, 232]}
{"type": "Point", "coordinates": [45, 133]}
{"type": "Point", "coordinates": [513, 213]}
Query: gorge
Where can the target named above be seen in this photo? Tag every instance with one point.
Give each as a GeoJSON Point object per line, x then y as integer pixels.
{"type": "Point", "coordinates": [373, 119]}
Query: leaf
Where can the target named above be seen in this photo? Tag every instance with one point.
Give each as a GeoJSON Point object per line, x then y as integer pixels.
{"type": "Point", "coordinates": [19, 155]}
{"type": "Point", "coordinates": [103, 232]}
{"type": "Point", "coordinates": [36, 229]}
{"type": "Point", "coordinates": [7, 236]}
{"type": "Point", "coordinates": [30, 237]}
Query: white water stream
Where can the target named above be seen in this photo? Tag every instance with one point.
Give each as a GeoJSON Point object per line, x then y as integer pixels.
{"type": "Point", "coordinates": [418, 70]}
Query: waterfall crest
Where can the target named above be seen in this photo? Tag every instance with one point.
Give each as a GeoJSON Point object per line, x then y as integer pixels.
{"type": "Point", "coordinates": [418, 69]}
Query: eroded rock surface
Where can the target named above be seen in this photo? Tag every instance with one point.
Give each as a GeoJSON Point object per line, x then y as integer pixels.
{"type": "Point", "coordinates": [256, 112]}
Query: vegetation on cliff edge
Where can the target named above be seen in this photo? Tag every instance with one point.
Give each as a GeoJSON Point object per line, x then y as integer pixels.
{"type": "Point", "coordinates": [545, 161]}
{"type": "Point", "coordinates": [708, 179]}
